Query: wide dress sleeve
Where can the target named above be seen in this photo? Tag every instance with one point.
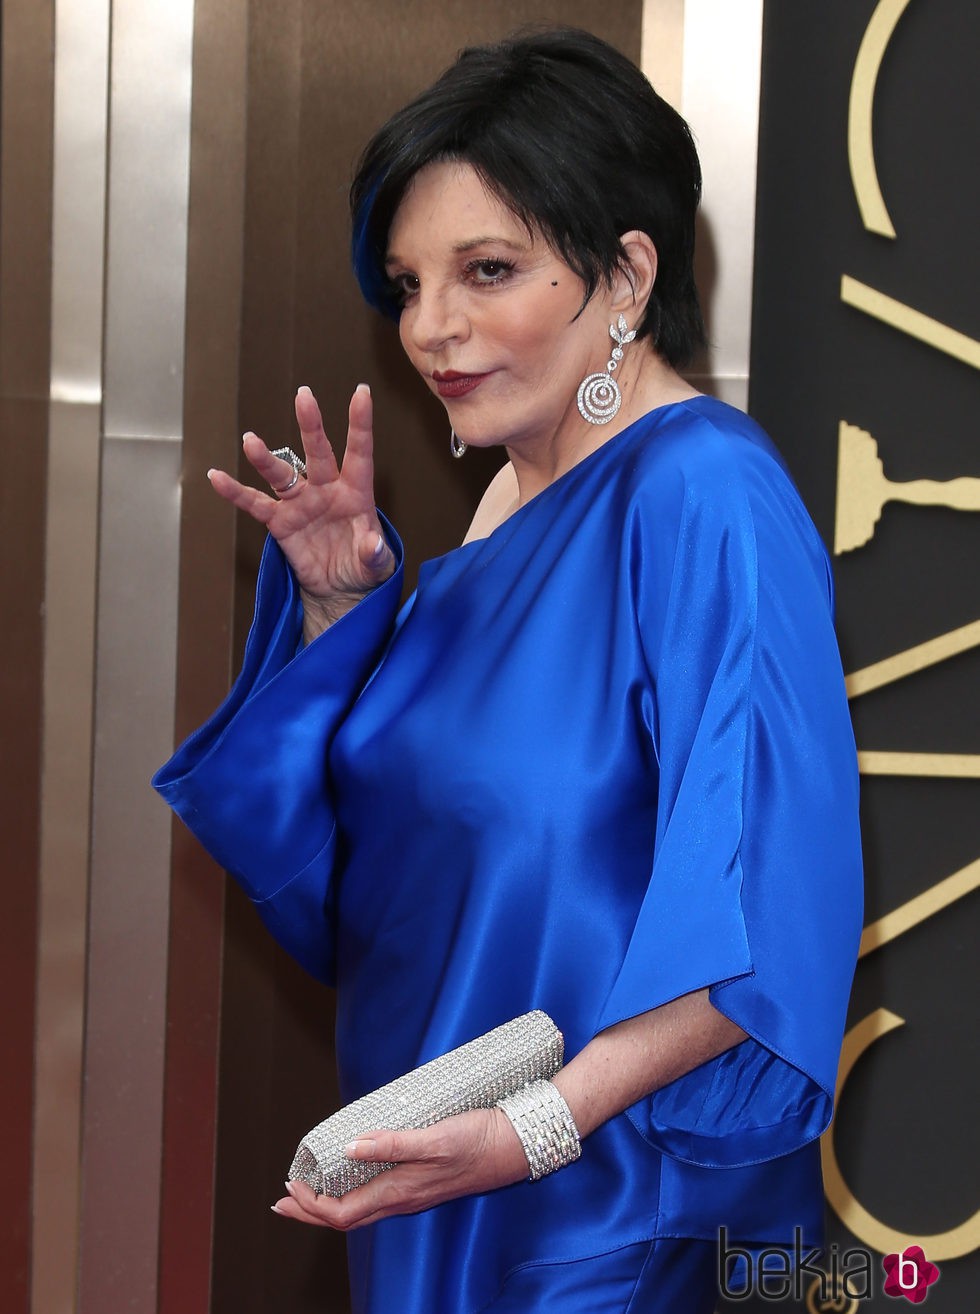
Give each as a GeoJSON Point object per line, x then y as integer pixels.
{"type": "Point", "coordinates": [755, 889]}
{"type": "Point", "coordinates": [252, 782]}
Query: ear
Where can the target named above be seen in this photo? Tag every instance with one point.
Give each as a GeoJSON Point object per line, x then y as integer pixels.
{"type": "Point", "coordinates": [633, 281]}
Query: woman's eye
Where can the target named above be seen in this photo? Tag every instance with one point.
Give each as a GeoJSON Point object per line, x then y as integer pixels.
{"type": "Point", "coordinates": [404, 287]}
{"type": "Point", "coordinates": [488, 271]}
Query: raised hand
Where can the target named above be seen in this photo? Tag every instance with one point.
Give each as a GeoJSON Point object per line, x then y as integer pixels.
{"type": "Point", "coordinates": [326, 523]}
{"type": "Point", "coordinates": [463, 1155]}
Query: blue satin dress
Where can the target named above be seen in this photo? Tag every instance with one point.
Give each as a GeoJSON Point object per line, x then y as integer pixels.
{"type": "Point", "coordinates": [599, 759]}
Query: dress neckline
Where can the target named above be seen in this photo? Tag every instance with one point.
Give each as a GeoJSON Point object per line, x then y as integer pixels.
{"type": "Point", "coordinates": [591, 458]}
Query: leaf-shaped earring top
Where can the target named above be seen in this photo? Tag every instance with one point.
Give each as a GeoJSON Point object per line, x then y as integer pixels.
{"type": "Point", "coordinates": [620, 332]}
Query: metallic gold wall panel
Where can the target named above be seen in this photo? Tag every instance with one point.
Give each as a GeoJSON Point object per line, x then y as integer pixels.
{"type": "Point", "coordinates": [25, 233]}
{"type": "Point", "coordinates": [69, 633]}
{"type": "Point", "coordinates": [129, 902]}
{"type": "Point", "coordinates": [720, 100]}
{"type": "Point", "coordinates": [23, 427]}
{"type": "Point", "coordinates": [662, 49]}
{"type": "Point", "coordinates": [270, 1032]}
{"type": "Point", "coordinates": [149, 134]}
{"type": "Point", "coordinates": [704, 56]}
{"type": "Point", "coordinates": [210, 437]}
{"type": "Point", "coordinates": [149, 148]}
{"type": "Point", "coordinates": [78, 245]}
{"type": "Point", "coordinates": [78, 237]}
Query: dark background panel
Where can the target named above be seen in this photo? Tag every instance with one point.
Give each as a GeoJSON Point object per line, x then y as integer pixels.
{"type": "Point", "coordinates": [906, 1130]}
{"type": "Point", "coordinates": [815, 361]}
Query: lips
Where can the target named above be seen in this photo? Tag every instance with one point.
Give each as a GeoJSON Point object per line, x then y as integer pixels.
{"type": "Point", "coordinates": [450, 383]}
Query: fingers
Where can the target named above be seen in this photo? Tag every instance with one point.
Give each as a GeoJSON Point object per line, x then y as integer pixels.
{"type": "Point", "coordinates": [395, 1146]}
{"type": "Point", "coordinates": [301, 1204]}
{"type": "Point", "coordinates": [383, 1195]}
{"type": "Point", "coordinates": [321, 464]}
{"type": "Point", "coordinates": [356, 1209]}
{"type": "Point", "coordinates": [376, 556]}
{"type": "Point", "coordinates": [359, 452]}
{"type": "Point", "coordinates": [279, 473]}
{"type": "Point", "coordinates": [255, 503]}
{"type": "Point", "coordinates": [453, 1158]}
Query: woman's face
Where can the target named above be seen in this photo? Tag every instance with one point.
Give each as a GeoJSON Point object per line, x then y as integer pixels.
{"type": "Point", "coordinates": [489, 313]}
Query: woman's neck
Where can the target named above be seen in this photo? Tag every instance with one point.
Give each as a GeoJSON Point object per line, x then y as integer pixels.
{"type": "Point", "coordinates": [645, 382]}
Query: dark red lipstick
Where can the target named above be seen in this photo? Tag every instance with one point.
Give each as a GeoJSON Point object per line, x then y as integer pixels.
{"type": "Point", "coordinates": [450, 383]}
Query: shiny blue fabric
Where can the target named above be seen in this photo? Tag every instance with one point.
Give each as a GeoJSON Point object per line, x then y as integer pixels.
{"type": "Point", "coordinates": [668, 1275]}
{"type": "Point", "coordinates": [599, 759]}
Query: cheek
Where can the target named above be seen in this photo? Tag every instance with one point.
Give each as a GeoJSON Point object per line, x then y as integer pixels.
{"type": "Point", "coordinates": [545, 331]}
{"type": "Point", "coordinates": [550, 352]}
{"type": "Point", "coordinates": [405, 337]}
{"type": "Point", "coordinates": [532, 336]}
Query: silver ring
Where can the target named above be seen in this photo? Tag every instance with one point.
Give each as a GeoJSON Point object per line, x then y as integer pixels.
{"type": "Point", "coordinates": [299, 468]}
{"type": "Point", "coordinates": [286, 487]}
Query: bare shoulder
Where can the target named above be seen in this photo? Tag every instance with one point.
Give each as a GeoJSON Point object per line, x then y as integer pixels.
{"type": "Point", "coordinates": [496, 504]}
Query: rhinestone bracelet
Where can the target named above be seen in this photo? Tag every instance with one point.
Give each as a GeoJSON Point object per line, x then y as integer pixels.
{"type": "Point", "coordinates": [545, 1125]}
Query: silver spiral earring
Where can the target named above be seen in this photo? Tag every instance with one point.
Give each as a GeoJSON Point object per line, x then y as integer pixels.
{"type": "Point", "coordinates": [599, 397]}
{"type": "Point", "coordinates": [456, 445]}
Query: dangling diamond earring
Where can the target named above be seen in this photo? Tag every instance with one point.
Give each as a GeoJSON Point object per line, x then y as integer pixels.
{"type": "Point", "coordinates": [456, 445]}
{"type": "Point", "coordinates": [599, 397]}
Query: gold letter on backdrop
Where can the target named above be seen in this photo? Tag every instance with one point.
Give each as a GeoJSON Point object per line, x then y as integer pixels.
{"type": "Point", "coordinates": [860, 141]}
{"type": "Point", "coordinates": [957, 1241]}
{"type": "Point", "coordinates": [902, 317]}
{"type": "Point", "coordinates": [952, 1244]}
{"type": "Point", "coordinates": [897, 667]}
{"type": "Point", "coordinates": [862, 489]}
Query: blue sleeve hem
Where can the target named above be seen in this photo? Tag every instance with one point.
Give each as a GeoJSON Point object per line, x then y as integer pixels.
{"type": "Point", "coordinates": [252, 783]}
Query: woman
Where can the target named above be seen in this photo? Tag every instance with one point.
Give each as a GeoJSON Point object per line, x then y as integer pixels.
{"type": "Point", "coordinates": [599, 764]}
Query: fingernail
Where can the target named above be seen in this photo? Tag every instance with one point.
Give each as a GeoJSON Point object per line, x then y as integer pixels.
{"type": "Point", "coordinates": [211, 472]}
{"type": "Point", "coordinates": [363, 387]}
{"type": "Point", "coordinates": [380, 548]}
{"type": "Point", "coordinates": [276, 1210]}
{"type": "Point", "coordinates": [359, 1147]}
{"type": "Point", "coordinates": [290, 1188]}
{"type": "Point", "coordinates": [303, 387]}
{"type": "Point", "coordinates": [247, 434]}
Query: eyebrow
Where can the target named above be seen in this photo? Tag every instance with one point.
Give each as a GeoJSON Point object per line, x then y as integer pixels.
{"type": "Point", "coordinates": [488, 239]}
{"type": "Point", "coordinates": [470, 244]}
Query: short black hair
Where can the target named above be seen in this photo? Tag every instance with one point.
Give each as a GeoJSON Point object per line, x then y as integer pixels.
{"type": "Point", "coordinates": [569, 135]}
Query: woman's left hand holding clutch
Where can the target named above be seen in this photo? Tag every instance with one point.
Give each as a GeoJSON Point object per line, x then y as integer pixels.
{"type": "Point", "coordinates": [464, 1155]}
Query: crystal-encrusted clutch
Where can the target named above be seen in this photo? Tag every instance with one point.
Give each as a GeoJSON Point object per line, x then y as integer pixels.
{"type": "Point", "coordinates": [474, 1076]}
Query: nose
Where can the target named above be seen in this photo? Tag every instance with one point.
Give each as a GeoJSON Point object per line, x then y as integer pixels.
{"type": "Point", "coordinates": [434, 318]}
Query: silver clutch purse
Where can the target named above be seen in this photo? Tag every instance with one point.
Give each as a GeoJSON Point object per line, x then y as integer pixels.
{"type": "Point", "coordinates": [474, 1076]}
